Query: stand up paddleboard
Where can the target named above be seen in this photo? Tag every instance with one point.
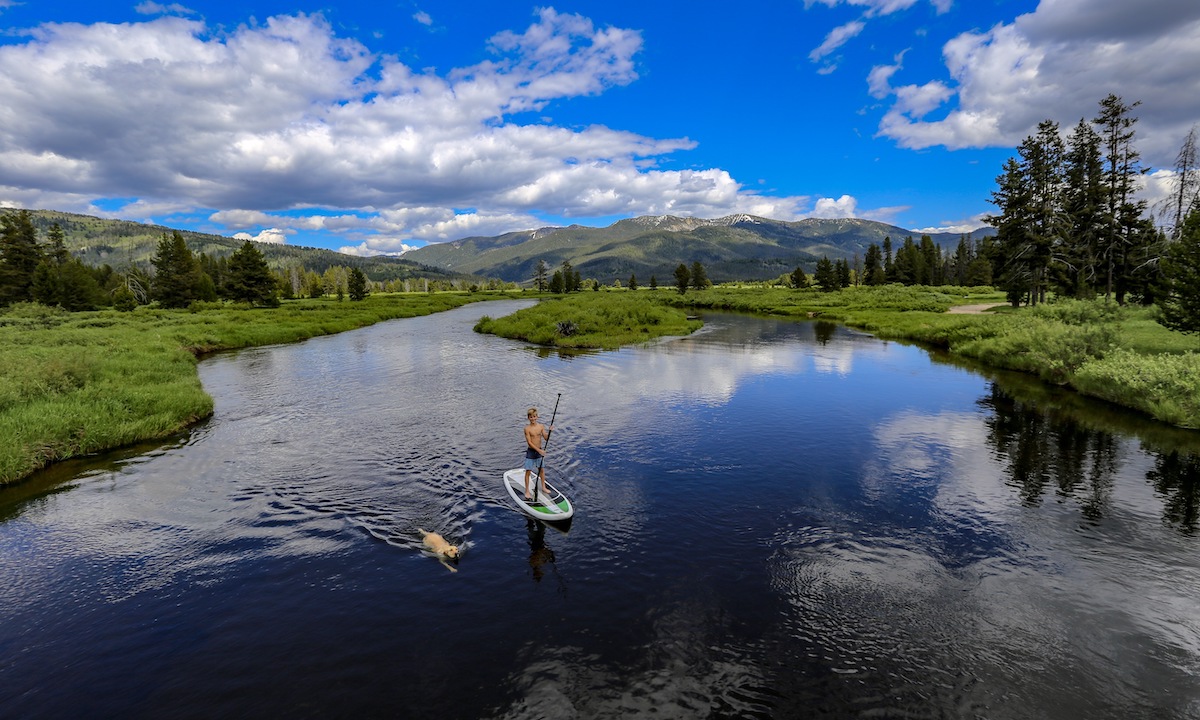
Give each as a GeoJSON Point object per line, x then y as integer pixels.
{"type": "Point", "coordinates": [554, 508]}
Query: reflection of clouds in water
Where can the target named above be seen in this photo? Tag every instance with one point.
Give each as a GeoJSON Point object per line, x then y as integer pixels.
{"type": "Point", "coordinates": [947, 452]}
{"type": "Point", "coordinates": [711, 373]}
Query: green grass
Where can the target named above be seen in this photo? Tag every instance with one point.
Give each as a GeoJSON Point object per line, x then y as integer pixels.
{"type": "Point", "coordinates": [592, 320]}
{"type": "Point", "coordinates": [72, 384]}
{"type": "Point", "coordinates": [1119, 354]}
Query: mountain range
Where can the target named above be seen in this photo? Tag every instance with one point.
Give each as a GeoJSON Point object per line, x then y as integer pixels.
{"type": "Point", "coordinates": [123, 243]}
{"type": "Point", "coordinates": [736, 247]}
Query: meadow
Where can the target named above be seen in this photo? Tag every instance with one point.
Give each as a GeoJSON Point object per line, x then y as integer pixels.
{"type": "Point", "coordinates": [72, 384]}
{"type": "Point", "coordinates": [604, 320]}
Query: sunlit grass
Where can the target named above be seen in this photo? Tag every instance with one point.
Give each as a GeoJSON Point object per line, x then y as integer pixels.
{"type": "Point", "coordinates": [77, 383]}
{"type": "Point", "coordinates": [592, 320]}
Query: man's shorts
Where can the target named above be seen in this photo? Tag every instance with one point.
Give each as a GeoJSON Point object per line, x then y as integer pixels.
{"type": "Point", "coordinates": [534, 462]}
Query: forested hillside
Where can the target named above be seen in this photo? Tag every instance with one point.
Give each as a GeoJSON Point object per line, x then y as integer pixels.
{"type": "Point", "coordinates": [737, 247]}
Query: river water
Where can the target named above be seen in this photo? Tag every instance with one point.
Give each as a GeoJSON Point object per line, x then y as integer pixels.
{"type": "Point", "coordinates": [774, 519]}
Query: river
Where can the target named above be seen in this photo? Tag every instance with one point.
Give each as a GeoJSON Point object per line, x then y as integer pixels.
{"type": "Point", "coordinates": [774, 519]}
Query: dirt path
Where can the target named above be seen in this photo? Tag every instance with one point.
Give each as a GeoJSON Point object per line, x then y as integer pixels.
{"type": "Point", "coordinates": [973, 309]}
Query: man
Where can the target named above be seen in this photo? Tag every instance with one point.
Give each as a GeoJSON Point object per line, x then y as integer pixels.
{"type": "Point", "coordinates": [535, 456]}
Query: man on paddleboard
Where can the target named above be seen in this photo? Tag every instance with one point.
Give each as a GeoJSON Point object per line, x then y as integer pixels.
{"type": "Point", "coordinates": [535, 434]}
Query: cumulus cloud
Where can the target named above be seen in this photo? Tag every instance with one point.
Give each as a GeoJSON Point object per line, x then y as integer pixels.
{"type": "Point", "coordinates": [1057, 63]}
{"type": "Point", "coordinates": [423, 18]}
{"type": "Point", "coordinates": [260, 120]}
{"type": "Point", "coordinates": [270, 235]}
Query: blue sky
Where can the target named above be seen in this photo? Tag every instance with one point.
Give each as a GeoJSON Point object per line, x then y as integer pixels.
{"type": "Point", "coordinates": [375, 127]}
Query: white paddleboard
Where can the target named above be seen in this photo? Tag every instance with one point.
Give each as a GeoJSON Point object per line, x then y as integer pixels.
{"type": "Point", "coordinates": [554, 508]}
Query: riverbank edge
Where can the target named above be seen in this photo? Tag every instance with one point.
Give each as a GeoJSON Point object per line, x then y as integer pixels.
{"type": "Point", "coordinates": [51, 426]}
{"type": "Point", "coordinates": [1084, 357]}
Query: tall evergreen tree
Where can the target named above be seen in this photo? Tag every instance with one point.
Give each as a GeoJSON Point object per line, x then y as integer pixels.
{"type": "Point", "coordinates": [1121, 211]}
{"type": "Point", "coordinates": [889, 269]}
{"type": "Point", "coordinates": [699, 276]}
{"type": "Point", "coordinates": [57, 250]}
{"type": "Point", "coordinates": [633, 283]}
{"type": "Point", "coordinates": [250, 280]}
{"type": "Point", "coordinates": [683, 278]}
{"type": "Point", "coordinates": [1076, 261]}
{"type": "Point", "coordinates": [798, 278]}
{"type": "Point", "coordinates": [1181, 307]}
{"type": "Point", "coordinates": [357, 285]}
{"type": "Point", "coordinates": [826, 275]}
{"type": "Point", "coordinates": [19, 257]}
{"type": "Point", "coordinates": [1013, 237]}
{"type": "Point", "coordinates": [842, 268]}
{"type": "Point", "coordinates": [539, 275]}
{"type": "Point", "coordinates": [873, 272]}
{"type": "Point", "coordinates": [1187, 183]}
{"type": "Point", "coordinates": [176, 272]}
{"type": "Point", "coordinates": [556, 283]}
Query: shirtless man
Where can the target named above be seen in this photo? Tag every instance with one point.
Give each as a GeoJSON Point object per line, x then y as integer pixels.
{"type": "Point", "coordinates": [535, 456]}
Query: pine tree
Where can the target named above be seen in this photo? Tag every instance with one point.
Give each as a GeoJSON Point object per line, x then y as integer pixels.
{"type": "Point", "coordinates": [357, 285]}
{"type": "Point", "coordinates": [683, 278]}
{"type": "Point", "coordinates": [556, 283]}
{"type": "Point", "coordinates": [842, 267]}
{"type": "Point", "coordinates": [1181, 308]}
{"type": "Point", "coordinates": [653, 282]}
{"type": "Point", "coordinates": [873, 273]}
{"type": "Point", "coordinates": [250, 280]}
{"type": "Point", "coordinates": [798, 278]}
{"type": "Point", "coordinates": [826, 275]}
{"type": "Point", "coordinates": [19, 257]}
{"type": "Point", "coordinates": [699, 277]}
{"type": "Point", "coordinates": [1121, 212]}
{"type": "Point", "coordinates": [633, 283]}
{"type": "Point", "coordinates": [539, 275]}
{"type": "Point", "coordinates": [176, 272]}
{"type": "Point", "coordinates": [1076, 263]}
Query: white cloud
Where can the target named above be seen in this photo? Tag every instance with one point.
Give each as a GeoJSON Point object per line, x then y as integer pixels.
{"type": "Point", "coordinates": [153, 8]}
{"type": "Point", "coordinates": [259, 122]}
{"type": "Point", "coordinates": [842, 207]}
{"type": "Point", "coordinates": [836, 38]}
{"type": "Point", "coordinates": [423, 18]}
{"type": "Point", "coordinates": [270, 235]}
{"type": "Point", "coordinates": [1058, 62]}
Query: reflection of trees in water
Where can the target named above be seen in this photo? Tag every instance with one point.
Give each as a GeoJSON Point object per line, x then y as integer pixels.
{"type": "Point", "coordinates": [1045, 445]}
{"type": "Point", "coordinates": [1043, 449]}
{"type": "Point", "coordinates": [1176, 477]}
{"type": "Point", "coordinates": [824, 331]}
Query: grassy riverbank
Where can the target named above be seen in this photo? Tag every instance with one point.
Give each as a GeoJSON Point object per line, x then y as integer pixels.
{"type": "Point", "coordinates": [1115, 353]}
{"type": "Point", "coordinates": [592, 320]}
{"type": "Point", "coordinates": [78, 383]}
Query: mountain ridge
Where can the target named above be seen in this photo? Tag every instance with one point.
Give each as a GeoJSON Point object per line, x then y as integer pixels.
{"type": "Point", "coordinates": [732, 247]}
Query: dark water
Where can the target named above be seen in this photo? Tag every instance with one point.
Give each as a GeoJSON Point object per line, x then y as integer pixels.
{"type": "Point", "coordinates": [774, 520]}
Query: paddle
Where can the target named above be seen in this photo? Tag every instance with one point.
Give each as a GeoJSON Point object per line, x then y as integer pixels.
{"type": "Point", "coordinates": [549, 432]}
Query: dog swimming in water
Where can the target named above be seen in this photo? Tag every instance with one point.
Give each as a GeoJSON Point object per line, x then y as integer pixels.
{"type": "Point", "coordinates": [439, 546]}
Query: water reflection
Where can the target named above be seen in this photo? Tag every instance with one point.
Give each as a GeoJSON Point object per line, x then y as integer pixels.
{"type": "Point", "coordinates": [1176, 477]}
{"type": "Point", "coordinates": [775, 519]}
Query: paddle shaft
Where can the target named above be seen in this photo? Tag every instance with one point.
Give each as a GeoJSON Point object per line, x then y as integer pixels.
{"type": "Point", "coordinates": [545, 445]}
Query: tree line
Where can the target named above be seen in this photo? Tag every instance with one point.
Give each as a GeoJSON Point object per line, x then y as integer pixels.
{"type": "Point", "coordinates": [47, 273]}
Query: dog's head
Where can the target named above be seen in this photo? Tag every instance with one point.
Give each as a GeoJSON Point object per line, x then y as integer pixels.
{"type": "Point", "coordinates": [452, 551]}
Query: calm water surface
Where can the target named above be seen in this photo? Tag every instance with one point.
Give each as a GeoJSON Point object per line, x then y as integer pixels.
{"type": "Point", "coordinates": [778, 520]}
